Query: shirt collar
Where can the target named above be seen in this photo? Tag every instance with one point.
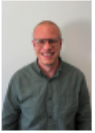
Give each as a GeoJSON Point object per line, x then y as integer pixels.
{"type": "Point", "coordinates": [56, 73]}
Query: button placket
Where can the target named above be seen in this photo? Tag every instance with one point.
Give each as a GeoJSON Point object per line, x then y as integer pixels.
{"type": "Point", "coordinates": [49, 102]}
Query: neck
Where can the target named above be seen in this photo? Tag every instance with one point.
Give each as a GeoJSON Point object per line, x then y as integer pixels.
{"type": "Point", "coordinates": [49, 70]}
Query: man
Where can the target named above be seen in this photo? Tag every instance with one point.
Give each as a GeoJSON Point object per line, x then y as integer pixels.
{"type": "Point", "coordinates": [48, 94]}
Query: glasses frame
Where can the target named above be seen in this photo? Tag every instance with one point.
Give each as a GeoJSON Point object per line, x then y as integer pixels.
{"type": "Point", "coordinates": [51, 41]}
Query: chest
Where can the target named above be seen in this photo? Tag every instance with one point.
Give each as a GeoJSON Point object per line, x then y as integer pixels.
{"type": "Point", "coordinates": [49, 98]}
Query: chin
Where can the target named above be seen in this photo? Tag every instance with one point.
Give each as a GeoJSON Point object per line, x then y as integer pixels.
{"type": "Point", "coordinates": [48, 63]}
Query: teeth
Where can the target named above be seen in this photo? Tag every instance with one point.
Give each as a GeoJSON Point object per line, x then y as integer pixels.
{"type": "Point", "coordinates": [47, 54]}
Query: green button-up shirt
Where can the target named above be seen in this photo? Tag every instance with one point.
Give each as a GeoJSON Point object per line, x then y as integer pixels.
{"type": "Point", "coordinates": [36, 102]}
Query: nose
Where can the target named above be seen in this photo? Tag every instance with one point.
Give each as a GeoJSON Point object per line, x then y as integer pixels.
{"type": "Point", "coordinates": [47, 45]}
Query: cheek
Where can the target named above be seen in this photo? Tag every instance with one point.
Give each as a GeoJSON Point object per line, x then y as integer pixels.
{"type": "Point", "coordinates": [57, 50]}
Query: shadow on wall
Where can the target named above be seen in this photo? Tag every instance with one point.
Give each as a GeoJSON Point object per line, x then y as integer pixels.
{"type": "Point", "coordinates": [77, 47]}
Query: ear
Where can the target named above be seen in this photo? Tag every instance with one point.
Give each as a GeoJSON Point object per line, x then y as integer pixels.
{"type": "Point", "coordinates": [33, 43]}
{"type": "Point", "coordinates": [61, 40]}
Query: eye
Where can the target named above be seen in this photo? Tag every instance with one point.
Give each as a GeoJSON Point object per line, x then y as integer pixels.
{"type": "Point", "coordinates": [52, 41]}
{"type": "Point", "coordinates": [41, 41]}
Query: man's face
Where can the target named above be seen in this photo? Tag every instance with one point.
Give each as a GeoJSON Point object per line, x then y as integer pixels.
{"type": "Point", "coordinates": [47, 54]}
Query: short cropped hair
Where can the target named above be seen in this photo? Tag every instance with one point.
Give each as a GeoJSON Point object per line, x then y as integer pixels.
{"type": "Point", "coordinates": [52, 23]}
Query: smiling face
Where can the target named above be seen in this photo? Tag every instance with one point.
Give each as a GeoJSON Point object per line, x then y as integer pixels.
{"type": "Point", "coordinates": [48, 54]}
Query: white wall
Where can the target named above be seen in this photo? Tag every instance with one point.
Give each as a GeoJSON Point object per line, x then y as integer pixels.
{"type": "Point", "coordinates": [18, 21]}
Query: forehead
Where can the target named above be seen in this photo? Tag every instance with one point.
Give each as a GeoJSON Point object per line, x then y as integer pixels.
{"type": "Point", "coordinates": [46, 31]}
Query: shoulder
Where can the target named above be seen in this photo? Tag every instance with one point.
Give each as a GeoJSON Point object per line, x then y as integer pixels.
{"type": "Point", "coordinates": [23, 73]}
{"type": "Point", "coordinates": [21, 80]}
{"type": "Point", "coordinates": [71, 70]}
{"type": "Point", "coordinates": [74, 76]}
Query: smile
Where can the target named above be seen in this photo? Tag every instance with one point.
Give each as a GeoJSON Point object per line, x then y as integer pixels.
{"type": "Point", "coordinates": [47, 55]}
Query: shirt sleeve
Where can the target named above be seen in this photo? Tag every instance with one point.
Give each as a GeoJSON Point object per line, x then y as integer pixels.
{"type": "Point", "coordinates": [11, 111]}
{"type": "Point", "coordinates": [83, 117]}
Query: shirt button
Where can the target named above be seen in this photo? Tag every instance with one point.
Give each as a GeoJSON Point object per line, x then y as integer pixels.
{"type": "Point", "coordinates": [50, 98]}
{"type": "Point", "coordinates": [50, 117]}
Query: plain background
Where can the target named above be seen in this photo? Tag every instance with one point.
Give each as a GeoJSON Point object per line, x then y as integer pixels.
{"type": "Point", "coordinates": [19, 20]}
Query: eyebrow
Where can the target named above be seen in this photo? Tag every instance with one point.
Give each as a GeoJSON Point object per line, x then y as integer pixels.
{"type": "Point", "coordinates": [46, 38]}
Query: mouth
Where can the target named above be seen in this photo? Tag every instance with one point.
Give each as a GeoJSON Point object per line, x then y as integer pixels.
{"type": "Point", "coordinates": [48, 55]}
